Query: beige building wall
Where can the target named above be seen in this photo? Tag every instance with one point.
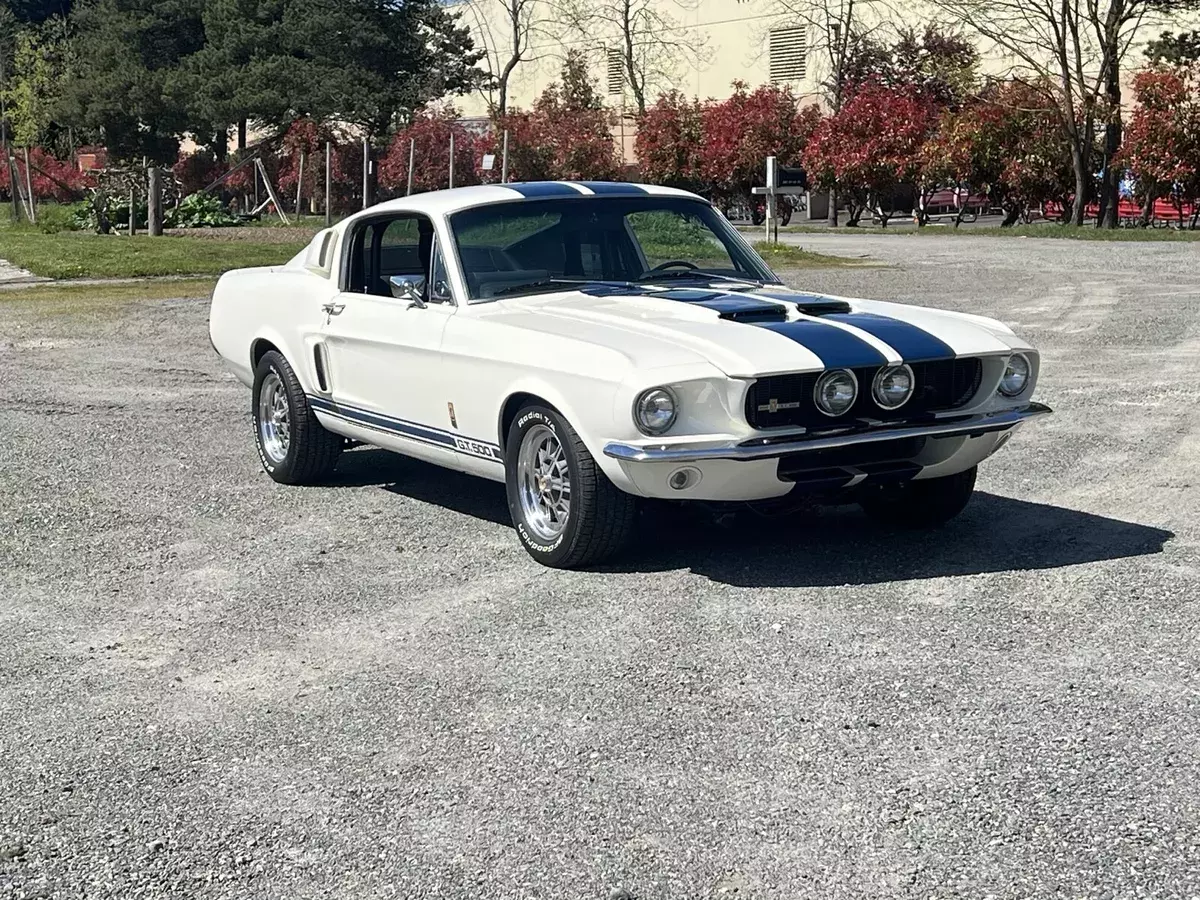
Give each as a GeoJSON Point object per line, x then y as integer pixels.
{"type": "Point", "coordinates": [720, 42]}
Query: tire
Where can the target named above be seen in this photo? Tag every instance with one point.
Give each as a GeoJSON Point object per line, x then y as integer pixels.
{"type": "Point", "coordinates": [785, 215]}
{"type": "Point", "coordinates": [920, 504]}
{"type": "Point", "coordinates": [598, 518]}
{"type": "Point", "coordinates": [305, 453]}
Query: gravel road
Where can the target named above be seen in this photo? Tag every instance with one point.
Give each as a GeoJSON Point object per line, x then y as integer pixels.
{"type": "Point", "coordinates": [213, 686]}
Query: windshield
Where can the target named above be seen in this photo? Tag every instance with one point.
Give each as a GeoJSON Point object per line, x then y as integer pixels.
{"type": "Point", "coordinates": [527, 246]}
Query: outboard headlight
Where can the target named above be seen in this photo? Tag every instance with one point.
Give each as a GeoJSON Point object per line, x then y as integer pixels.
{"type": "Point", "coordinates": [1016, 375]}
{"type": "Point", "coordinates": [655, 410]}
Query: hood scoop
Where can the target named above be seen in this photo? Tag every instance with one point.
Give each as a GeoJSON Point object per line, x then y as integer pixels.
{"type": "Point", "coordinates": [810, 304]}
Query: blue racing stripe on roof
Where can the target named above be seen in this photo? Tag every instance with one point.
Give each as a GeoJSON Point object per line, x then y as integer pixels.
{"type": "Point", "coordinates": [912, 343]}
{"type": "Point", "coordinates": [543, 189]}
{"type": "Point", "coordinates": [611, 187]}
{"type": "Point", "coordinates": [837, 348]}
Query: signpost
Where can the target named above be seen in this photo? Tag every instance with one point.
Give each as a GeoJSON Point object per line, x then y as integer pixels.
{"type": "Point", "coordinates": [781, 180]}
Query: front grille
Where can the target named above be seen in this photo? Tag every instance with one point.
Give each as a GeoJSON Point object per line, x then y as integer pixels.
{"type": "Point", "coordinates": [941, 385]}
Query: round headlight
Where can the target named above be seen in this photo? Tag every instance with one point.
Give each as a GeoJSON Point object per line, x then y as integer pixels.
{"type": "Point", "coordinates": [1016, 375]}
{"type": "Point", "coordinates": [836, 392]}
{"type": "Point", "coordinates": [893, 386]}
{"type": "Point", "coordinates": [655, 411]}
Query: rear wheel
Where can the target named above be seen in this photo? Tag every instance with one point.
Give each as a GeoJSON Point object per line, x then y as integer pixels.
{"type": "Point", "coordinates": [292, 445]}
{"type": "Point", "coordinates": [566, 512]}
{"type": "Point", "coordinates": [920, 504]}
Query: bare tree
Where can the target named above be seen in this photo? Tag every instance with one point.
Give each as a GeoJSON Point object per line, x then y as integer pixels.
{"type": "Point", "coordinates": [652, 44]}
{"type": "Point", "coordinates": [837, 30]}
{"type": "Point", "coordinates": [512, 32]}
{"type": "Point", "coordinates": [1073, 50]}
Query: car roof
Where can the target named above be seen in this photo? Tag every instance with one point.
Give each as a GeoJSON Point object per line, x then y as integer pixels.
{"type": "Point", "coordinates": [449, 201]}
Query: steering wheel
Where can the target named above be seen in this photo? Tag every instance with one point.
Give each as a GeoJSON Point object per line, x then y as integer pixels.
{"type": "Point", "coordinates": [673, 263]}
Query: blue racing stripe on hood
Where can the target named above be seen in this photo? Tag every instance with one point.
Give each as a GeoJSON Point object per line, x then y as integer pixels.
{"type": "Point", "coordinates": [838, 349]}
{"type": "Point", "coordinates": [532, 189]}
{"type": "Point", "coordinates": [611, 187]}
{"type": "Point", "coordinates": [912, 343]}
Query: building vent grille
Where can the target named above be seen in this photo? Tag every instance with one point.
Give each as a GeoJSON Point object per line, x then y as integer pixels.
{"type": "Point", "coordinates": [789, 54]}
{"type": "Point", "coordinates": [615, 73]}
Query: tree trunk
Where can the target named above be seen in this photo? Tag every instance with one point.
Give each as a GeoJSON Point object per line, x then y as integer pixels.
{"type": "Point", "coordinates": [241, 140]}
{"type": "Point", "coordinates": [1148, 208]}
{"type": "Point", "coordinates": [1079, 164]}
{"type": "Point", "coordinates": [833, 208]}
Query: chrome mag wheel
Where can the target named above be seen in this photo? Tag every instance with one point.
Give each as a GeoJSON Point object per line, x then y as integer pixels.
{"type": "Point", "coordinates": [274, 423]}
{"type": "Point", "coordinates": [544, 483]}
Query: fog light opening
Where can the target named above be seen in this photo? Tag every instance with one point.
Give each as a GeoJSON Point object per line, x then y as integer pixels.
{"type": "Point", "coordinates": [682, 479]}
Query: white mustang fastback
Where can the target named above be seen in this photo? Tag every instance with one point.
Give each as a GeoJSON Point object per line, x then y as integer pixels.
{"type": "Point", "coordinates": [590, 344]}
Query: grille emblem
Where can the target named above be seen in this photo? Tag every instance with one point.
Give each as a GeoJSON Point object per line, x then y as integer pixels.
{"type": "Point", "coordinates": [774, 406]}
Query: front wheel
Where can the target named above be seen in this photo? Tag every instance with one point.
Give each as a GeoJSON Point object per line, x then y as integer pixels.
{"type": "Point", "coordinates": [920, 504]}
{"type": "Point", "coordinates": [566, 512]}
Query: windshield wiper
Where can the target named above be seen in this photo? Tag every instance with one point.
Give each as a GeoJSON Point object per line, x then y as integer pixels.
{"type": "Point", "coordinates": [544, 284]}
{"type": "Point", "coordinates": [675, 275]}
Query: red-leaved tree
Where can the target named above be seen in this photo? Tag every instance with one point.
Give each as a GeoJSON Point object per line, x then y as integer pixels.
{"type": "Point", "coordinates": [1006, 145]}
{"type": "Point", "coordinates": [871, 146]}
{"type": "Point", "coordinates": [557, 139]}
{"type": "Point", "coordinates": [429, 134]}
{"type": "Point", "coordinates": [1162, 140]}
{"type": "Point", "coordinates": [741, 132]}
{"type": "Point", "coordinates": [670, 141]}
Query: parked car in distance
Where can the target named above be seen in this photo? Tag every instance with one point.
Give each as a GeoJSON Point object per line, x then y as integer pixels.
{"type": "Point", "coordinates": [591, 344]}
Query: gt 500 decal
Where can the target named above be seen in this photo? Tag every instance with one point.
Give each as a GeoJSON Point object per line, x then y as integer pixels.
{"type": "Point", "coordinates": [474, 448]}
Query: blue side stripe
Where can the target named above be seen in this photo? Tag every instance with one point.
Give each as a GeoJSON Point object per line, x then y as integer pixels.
{"type": "Point", "coordinates": [543, 189]}
{"type": "Point", "coordinates": [410, 430]}
{"type": "Point", "coordinates": [912, 343]}
{"type": "Point", "coordinates": [611, 187]}
{"type": "Point", "coordinates": [837, 349]}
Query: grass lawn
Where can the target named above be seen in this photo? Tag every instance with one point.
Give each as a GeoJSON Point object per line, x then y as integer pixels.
{"type": "Point", "coordinates": [83, 255]}
{"type": "Point", "coordinates": [1042, 230]}
{"type": "Point", "coordinates": [787, 256]}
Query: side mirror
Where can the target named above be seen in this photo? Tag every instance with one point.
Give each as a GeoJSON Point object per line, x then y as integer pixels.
{"type": "Point", "coordinates": [410, 288]}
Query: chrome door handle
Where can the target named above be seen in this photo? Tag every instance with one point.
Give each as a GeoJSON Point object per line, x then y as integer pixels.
{"type": "Point", "coordinates": [333, 309]}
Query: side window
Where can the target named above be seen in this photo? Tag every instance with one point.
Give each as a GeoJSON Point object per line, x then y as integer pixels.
{"type": "Point", "coordinates": [389, 247]}
{"type": "Point", "coordinates": [439, 281]}
{"type": "Point", "coordinates": [400, 248]}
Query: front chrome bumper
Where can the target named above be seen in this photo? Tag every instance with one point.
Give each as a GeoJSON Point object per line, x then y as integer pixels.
{"type": "Point", "coordinates": [767, 448]}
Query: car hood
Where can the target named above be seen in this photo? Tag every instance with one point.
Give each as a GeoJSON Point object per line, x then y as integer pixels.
{"type": "Point", "coordinates": [748, 332]}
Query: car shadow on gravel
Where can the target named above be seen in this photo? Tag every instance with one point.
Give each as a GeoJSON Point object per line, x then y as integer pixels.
{"type": "Point", "coordinates": [824, 547]}
{"type": "Point", "coordinates": [840, 546]}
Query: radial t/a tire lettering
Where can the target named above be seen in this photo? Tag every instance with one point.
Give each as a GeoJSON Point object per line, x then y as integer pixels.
{"type": "Point", "coordinates": [292, 445]}
{"type": "Point", "coordinates": [566, 512]}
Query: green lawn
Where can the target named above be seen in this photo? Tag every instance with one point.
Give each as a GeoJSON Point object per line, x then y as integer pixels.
{"type": "Point", "coordinates": [82, 255]}
{"type": "Point", "coordinates": [788, 256]}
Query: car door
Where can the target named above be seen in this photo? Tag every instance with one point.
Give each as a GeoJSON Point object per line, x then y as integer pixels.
{"type": "Point", "coordinates": [384, 352]}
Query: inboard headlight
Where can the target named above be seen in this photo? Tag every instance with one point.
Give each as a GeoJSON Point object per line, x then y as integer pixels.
{"type": "Point", "coordinates": [1016, 375]}
{"type": "Point", "coordinates": [835, 392]}
{"type": "Point", "coordinates": [655, 410]}
{"type": "Point", "coordinates": [893, 386]}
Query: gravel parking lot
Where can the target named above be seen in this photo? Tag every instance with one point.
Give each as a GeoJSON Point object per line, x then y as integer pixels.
{"type": "Point", "coordinates": [213, 686]}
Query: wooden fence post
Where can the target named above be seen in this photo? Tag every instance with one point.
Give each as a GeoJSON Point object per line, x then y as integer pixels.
{"type": "Point", "coordinates": [328, 183]}
{"type": "Point", "coordinates": [154, 202]}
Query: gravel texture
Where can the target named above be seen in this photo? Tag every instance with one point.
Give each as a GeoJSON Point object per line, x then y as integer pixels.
{"type": "Point", "coordinates": [213, 686]}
